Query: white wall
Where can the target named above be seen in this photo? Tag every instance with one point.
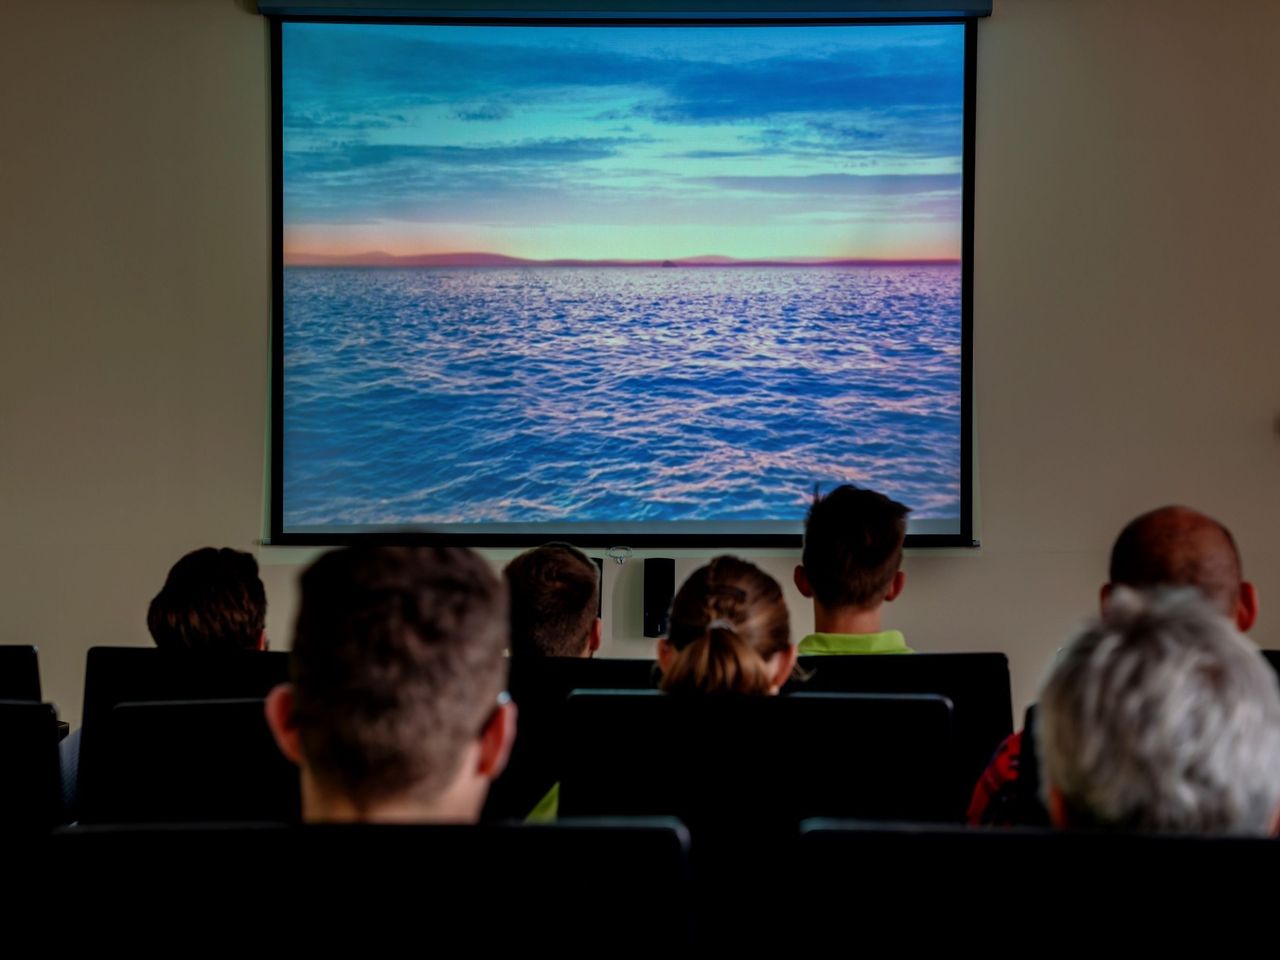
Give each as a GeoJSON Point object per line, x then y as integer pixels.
{"type": "Point", "coordinates": [1126, 228]}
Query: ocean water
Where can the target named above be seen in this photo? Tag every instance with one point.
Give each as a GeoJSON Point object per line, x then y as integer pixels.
{"type": "Point", "coordinates": [616, 394]}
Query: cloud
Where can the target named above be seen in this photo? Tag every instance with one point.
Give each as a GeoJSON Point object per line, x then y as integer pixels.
{"type": "Point", "coordinates": [412, 66]}
{"type": "Point", "coordinates": [354, 156]}
{"type": "Point", "coordinates": [842, 184]}
{"type": "Point", "coordinates": [488, 111]}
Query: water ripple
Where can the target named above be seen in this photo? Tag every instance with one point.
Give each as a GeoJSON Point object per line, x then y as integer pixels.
{"type": "Point", "coordinates": [443, 396]}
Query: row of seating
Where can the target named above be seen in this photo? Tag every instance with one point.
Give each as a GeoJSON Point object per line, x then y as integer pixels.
{"type": "Point", "coordinates": [172, 735]}
{"type": "Point", "coordinates": [179, 736]}
{"type": "Point", "coordinates": [603, 885]}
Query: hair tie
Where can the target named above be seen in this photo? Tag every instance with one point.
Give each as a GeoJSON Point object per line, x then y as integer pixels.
{"type": "Point", "coordinates": [720, 623]}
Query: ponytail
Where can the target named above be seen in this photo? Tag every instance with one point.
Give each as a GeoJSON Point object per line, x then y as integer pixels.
{"type": "Point", "coordinates": [719, 661]}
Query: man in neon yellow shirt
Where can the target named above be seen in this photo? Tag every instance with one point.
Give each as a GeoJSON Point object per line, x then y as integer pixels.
{"type": "Point", "coordinates": [851, 567]}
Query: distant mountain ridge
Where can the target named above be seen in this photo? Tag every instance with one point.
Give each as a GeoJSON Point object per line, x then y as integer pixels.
{"type": "Point", "coordinates": [378, 258]}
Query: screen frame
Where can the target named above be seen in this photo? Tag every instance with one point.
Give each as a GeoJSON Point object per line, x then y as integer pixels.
{"type": "Point", "coordinates": [278, 536]}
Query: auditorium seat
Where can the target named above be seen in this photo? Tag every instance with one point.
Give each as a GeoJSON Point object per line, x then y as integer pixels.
{"type": "Point", "coordinates": [196, 760]}
{"type": "Point", "coordinates": [1071, 892]}
{"type": "Point", "coordinates": [539, 686]}
{"type": "Point", "coordinates": [19, 673]}
{"type": "Point", "coordinates": [977, 684]}
{"type": "Point", "coordinates": [757, 763]}
{"type": "Point", "coordinates": [438, 890]}
{"type": "Point", "coordinates": [115, 675]}
{"type": "Point", "coordinates": [30, 777]}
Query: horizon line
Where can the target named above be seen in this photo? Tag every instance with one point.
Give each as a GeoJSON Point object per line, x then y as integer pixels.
{"type": "Point", "coordinates": [473, 259]}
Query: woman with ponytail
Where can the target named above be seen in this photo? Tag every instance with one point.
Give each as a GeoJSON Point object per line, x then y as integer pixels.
{"type": "Point", "coordinates": [730, 633]}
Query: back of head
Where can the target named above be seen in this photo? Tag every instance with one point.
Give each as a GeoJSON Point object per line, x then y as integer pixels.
{"type": "Point", "coordinates": [553, 601]}
{"type": "Point", "coordinates": [1177, 546]}
{"type": "Point", "coordinates": [397, 663]}
{"type": "Point", "coordinates": [727, 620]}
{"type": "Point", "coordinates": [1163, 717]}
{"type": "Point", "coordinates": [853, 546]}
{"type": "Point", "coordinates": [212, 600]}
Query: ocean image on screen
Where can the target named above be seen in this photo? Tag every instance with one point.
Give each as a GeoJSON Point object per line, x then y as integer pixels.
{"type": "Point", "coordinates": [618, 276]}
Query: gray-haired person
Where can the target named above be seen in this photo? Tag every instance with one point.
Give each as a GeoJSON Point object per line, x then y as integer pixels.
{"type": "Point", "coordinates": [1161, 716]}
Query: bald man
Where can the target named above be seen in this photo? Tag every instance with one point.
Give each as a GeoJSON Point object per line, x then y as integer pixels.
{"type": "Point", "coordinates": [1180, 547]}
{"type": "Point", "coordinates": [1170, 547]}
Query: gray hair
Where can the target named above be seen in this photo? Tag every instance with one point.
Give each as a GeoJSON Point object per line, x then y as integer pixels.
{"type": "Point", "coordinates": [1162, 717]}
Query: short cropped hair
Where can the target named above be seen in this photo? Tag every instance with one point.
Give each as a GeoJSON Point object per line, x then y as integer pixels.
{"type": "Point", "coordinates": [853, 546]}
{"type": "Point", "coordinates": [397, 663]}
{"type": "Point", "coordinates": [1177, 546]}
{"type": "Point", "coordinates": [1162, 717]}
{"type": "Point", "coordinates": [554, 590]}
{"type": "Point", "coordinates": [211, 600]}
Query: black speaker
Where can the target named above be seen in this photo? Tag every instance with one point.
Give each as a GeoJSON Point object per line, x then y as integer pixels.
{"type": "Point", "coordinates": [599, 562]}
{"type": "Point", "coordinates": [659, 588]}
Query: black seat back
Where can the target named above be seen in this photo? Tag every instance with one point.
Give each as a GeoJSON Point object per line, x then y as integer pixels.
{"type": "Point", "coordinates": [115, 675]}
{"type": "Point", "coordinates": [723, 764]}
{"type": "Point", "coordinates": [449, 890]}
{"type": "Point", "coordinates": [977, 684]}
{"type": "Point", "coordinates": [1062, 889]}
{"type": "Point", "coordinates": [19, 673]}
{"type": "Point", "coordinates": [540, 686]}
{"type": "Point", "coordinates": [30, 777]}
{"type": "Point", "coordinates": [193, 761]}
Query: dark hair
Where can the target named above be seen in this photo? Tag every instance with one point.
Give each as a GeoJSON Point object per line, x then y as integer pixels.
{"type": "Point", "coordinates": [212, 600]}
{"type": "Point", "coordinates": [727, 620]}
{"type": "Point", "coordinates": [853, 546]}
{"type": "Point", "coordinates": [553, 601]}
{"type": "Point", "coordinates": [397, 663]}
{"type": "Point", "coordinates": [1178, 546]}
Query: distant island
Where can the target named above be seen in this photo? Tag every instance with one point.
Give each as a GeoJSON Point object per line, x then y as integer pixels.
{"type": "Point", "coordinates": [498, 260]}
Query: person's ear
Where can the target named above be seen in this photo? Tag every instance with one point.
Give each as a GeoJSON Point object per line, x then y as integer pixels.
{"type": "Point", "coordinates": [1104, 598]}
{"type": "Point", "coordinates": [1247, 607]}
{"type": "Point", "coordinates": [1058, 813]}
{"type": "Point", "coordinates": [597, 631]}
{"type": "Point", "coordinates": [666, 652]}
{"type": "Point", "coordinates": [801, 579]}
{"type": "Point", "coordinates": [895, 588]}
{"type": "Point", "coordinates": [784, 664]}
{"type": "Point", "coordinates": [282, 720]}
{"type": "Point", "coordinates": [496, 740]}
{"type": "Point", "coordinates": [263, 644]}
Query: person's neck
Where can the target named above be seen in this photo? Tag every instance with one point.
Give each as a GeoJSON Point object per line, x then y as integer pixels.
{"type": "Point", "coordinates": [326, 806]}
{"type": "Point", "coordinates": [846, 619]}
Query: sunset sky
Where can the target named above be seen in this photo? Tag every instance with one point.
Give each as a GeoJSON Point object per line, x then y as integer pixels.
{"type": "Point", "coordinates": [623, 142]}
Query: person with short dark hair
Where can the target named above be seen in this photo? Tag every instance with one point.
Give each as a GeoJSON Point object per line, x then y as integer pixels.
{"type": "Point", "coordinates": [212, 599]}
{"type": "Point", "coordinates": [1171, 546]}
{"type": "Point", "coordinates": [397, 711]}
{"type": "Point", "coordinates": [850, 568]}
{"type": "Point", "coordinates": [554, 593]}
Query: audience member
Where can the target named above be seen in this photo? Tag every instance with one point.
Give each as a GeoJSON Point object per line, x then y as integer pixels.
{"type": "Point", "coordinates": [1161, 717]}
{"type": "Point", "coordinates": [850, 568]}
{"type": "Point", "coordinates": [554, 597]}
{"type": "Point", "coordinates": [730, 634]}
{"type": "Point", "coordinates": [1170, 546]}
{"type": "Point", "coordinates": [212, 599]}
{"type": "Point", "coordinates": [397, 711]}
